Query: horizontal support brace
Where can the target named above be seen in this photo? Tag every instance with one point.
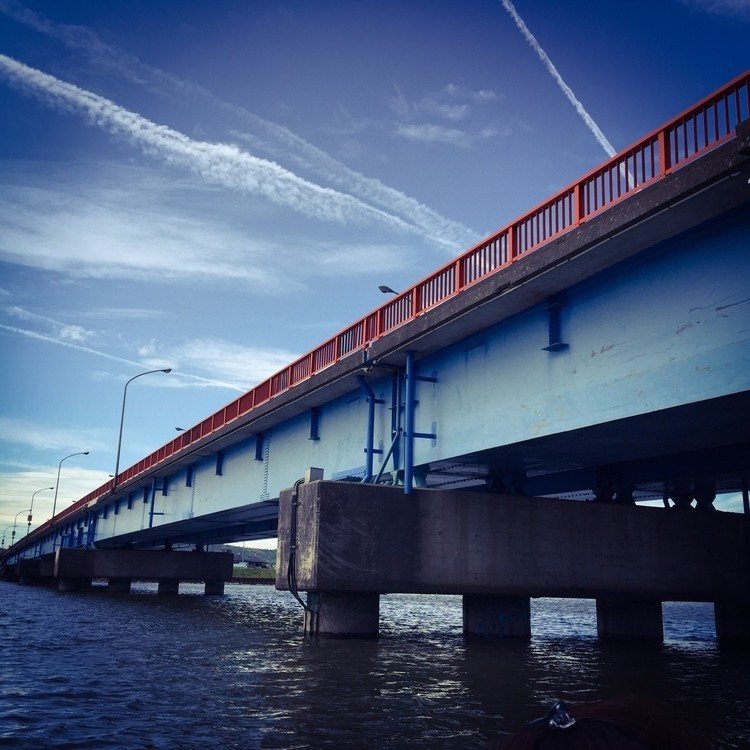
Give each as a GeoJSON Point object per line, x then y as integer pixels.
{"type": "Point", "coordinates": [425, 378]}
{"type": "Point", "coordinates": [374, 450]}
{"type": "Point", "coordinates": [429, 435]}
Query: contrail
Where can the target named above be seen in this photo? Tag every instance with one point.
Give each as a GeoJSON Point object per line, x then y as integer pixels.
{"type": "Point", "coordinates": [111, 357]}
{"type": "Point", "coordinates": [216, 163]}
{"type": "Point", "coordinates": [275, 140]}
{"type": "Point", "coordinates": [531, 39]}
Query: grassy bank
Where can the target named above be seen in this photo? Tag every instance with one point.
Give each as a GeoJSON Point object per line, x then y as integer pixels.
{"type": "Point", "coordinates": [241, 571]}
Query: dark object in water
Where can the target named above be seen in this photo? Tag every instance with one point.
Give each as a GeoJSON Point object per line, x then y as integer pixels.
{"type": "Point", "coordinates": [606, 725]}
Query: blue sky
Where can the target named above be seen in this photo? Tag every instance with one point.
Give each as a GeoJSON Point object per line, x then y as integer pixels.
{"type": "Point", "coordinates": [219, 187]}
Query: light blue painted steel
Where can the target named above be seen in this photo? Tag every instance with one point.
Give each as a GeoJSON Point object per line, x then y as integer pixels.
{"type": "Point", "coordinates": [410, 398]}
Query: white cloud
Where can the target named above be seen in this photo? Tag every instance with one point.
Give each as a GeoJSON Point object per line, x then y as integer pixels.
{"type": "Point", "coordinates": [181, 379]}
{"type": "Point", "coordinates": [452, 104]}
{"type": "Point", "coordinates": [268, 137]}
{"type": "Point", "coordinates": [124, 224]}
{"type": "Point", "coordinates": [735, 8]}
{"type": "Point", "coordinates": [128, 313]}
{"type": "Point", "coordinates": [63, 331]}
{"type": "Point", "coordinates": [241, 366]}
{"type": "Point", "coordinates": [431, 133]}
{"type": "Point", "coordinates": [47, 437]}
{"type": "Point", "coordinates": [18, 484]}
{"type": "Point", "coordinates": [219, 164]}
{"type": "Point", "coordinates": [105, 232]}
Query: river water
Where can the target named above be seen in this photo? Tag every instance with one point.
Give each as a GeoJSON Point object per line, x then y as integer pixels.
{"type": "Point", "coordinates": [99, 670]}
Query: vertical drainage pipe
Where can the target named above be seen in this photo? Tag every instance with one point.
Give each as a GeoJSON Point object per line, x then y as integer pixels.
{"type": "Point", "coordinates": [410, 400]}
{"type": "Point", "coordinates": [370, 437]}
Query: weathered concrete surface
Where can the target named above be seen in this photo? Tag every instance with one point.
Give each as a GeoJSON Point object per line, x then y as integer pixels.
{"type": "Point", "coordinates": [342, 615]}
{"type": "Point", "coordinates": [627, 618]}
{"type": "Point", "coordinates": [366, 538]}
{"type": "Point", "coordinates": [493, 616]}
{"type": "Point", "coordinates": [143, 564]}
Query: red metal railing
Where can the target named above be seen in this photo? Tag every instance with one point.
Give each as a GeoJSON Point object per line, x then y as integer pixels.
{"type": "Point", "coordinates": [699, 129]}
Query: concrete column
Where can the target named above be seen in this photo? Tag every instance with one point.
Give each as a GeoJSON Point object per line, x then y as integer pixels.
{"type": "Point", "coordinates": [342, 615]}
{"type": "Point", "coordinates": [732, 621]}
{"type": "Point", "coordinates": [628, 618]}
{"type": "Point", "coordinates": [168, 587]}
{"type": "Point", "coordinates": [214, 588]}
{"type": "Point", "coordinates": [119, 585]}
{"type": "Point", "coordinates": [497, 616]}
{"type": "Point", "coordinates": [73, 584]}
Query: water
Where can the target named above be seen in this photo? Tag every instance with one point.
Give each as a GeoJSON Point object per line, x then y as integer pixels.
{"type": "Point", "coordinates": [98, 670]}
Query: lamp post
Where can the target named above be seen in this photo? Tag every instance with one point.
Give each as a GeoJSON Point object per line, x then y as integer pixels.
{"type": "Point", "coordinates": [13, 535]}
{"type": "Point", "coordinates": [387, 290]}
{"type": "Point", "coordinates": [57, 484]}
{"type": "Point", "coordinates": [31, 507]}
{"type": "Point", "coordinates": [122, 418]}
{"type": "Point", "coordinates": [2, 543]}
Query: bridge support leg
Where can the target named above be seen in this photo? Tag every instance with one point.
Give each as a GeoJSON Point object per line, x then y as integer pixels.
{"type": "Point", "coordinates": [497, 616]}
{"type": "Point", "coordinates": [168, 587]}
{"type": "Point", "coordinates": [214, 588]}
{"type": "Point", "coordinates": [119, 585]}
{"type": "Point", "coordinates": [732, 621]}
{"type": "Point", "coordinates": [628, 618]}
{"type": "Point", "coordinates": [342, 615]}
{"type": "Point", "coordinates": [73, 584]}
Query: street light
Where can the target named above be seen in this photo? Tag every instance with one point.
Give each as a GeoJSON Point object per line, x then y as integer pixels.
{"type": "Point", "coordinates": [122, 417]}
{"type": "Point", "coordinates": [13, 535]}
{"type": "Point", "coordinates": [31, 508]}
{"type": "Point", "coordinates": [2, 543]}
{"type": "Point", "coordinates": [387, 290]}
{"type": "Point", "coordinates": [57, 484]}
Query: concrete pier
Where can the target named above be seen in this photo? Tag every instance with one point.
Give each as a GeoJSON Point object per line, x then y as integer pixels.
{"type": "Point", "coordinates": [342, 615]}
{"type": "Point", "coordinates": [74, 569]}
{"type": "Point", "coordinates": [618, 618]}
{"type": "Point", "coordinates": [495, 616]}
{"type": "Point", "coordinates": [169, 587]}
{"type": "Point", "coordinates": [119, 585]}
{"type": "Point", "coordinates": [499, 550]}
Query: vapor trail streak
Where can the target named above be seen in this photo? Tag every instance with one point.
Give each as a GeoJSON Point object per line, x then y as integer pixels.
{"type": "Point", "coordinates": [111, 357]}
{"type": "Point", "coordinates": [273, 139]}
{"type": "Point", "coordinates": [216, 163]}
{"type": "Point", "coordinates": [531, 39]}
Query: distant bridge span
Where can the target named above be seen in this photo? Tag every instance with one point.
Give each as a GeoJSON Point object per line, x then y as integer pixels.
{"type": "Point", "coordinates": [596, 348]}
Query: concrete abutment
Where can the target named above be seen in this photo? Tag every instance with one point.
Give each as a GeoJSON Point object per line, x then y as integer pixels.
{"type": "Point", "coordinates": [356, 541]}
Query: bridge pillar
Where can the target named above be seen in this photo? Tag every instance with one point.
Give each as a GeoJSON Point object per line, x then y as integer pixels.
{"type": "Point", "coordinates": [367, 538]}
{"type": "Point", "coordinates": [74, 583]}
{"type": "Point", "coordinates": [627, 618]}
{"type": "Point", "coordinates": [342, 615]}
{"type": "Point", "coordinates": [732, 621]}
{"type": "Point", "coordinates": [168, 587]}
{"type": "Point", "coordinates": [121, 567]}
{"type": "Point", "coordinates": [119, 585]}
{"type": "Point", "coordinates": [214, 588]}
{"type": "Point", "coordinates": [496, 616]}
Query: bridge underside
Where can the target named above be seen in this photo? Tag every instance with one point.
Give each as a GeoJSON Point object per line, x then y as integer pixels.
{"type": "Point", "coordinates": [654, 453]}
{"type": "Point", "coordinates": [248, 522]}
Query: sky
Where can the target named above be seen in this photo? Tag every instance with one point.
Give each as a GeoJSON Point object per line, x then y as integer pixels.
{"type": "Point", "coordinates": [219, 187]}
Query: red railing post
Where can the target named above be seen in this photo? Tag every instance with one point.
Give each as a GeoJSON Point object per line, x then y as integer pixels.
{"type": "Point", "coordinates": [578, 212]}
{"type": "Point", "coordinates": [458, 282]}
{"type": "Point", "coordinates": [511, 243]}
{"type": "Point", "coordinates": [663, 141]}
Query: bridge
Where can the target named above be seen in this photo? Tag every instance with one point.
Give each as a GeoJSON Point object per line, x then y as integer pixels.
{"type": "Point", "coordinates": [595, 349]}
